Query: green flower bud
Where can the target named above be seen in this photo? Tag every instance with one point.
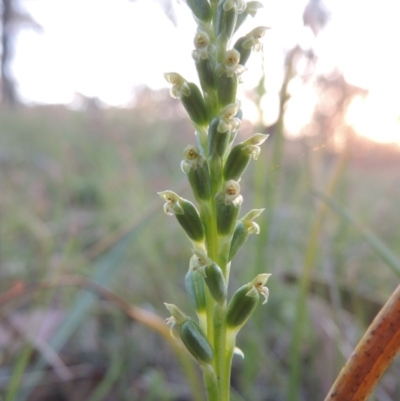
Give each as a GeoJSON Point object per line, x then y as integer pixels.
{"type": "Point", "coordinates": [190, 96]}
{"type": "Point", "coordinates": [221, 127]}
{"type": "Point", "coordinates": [196, 342]}
{"type": "Point", "coordinates": [201, 9]}
{"type": "Point", "coordinates": [243, 228]}
{"type": "Point", "coordinates": [227, 14]}
{"type": "Point", "coordinates": [186, 214]}
{"type": "Point", "coordinates": [206, 74]}
{"type": "Point", "coordinates": [201, 55]}
{"type": "Point", "coordinates": [195, 166]}
{"type": "Point", "coordinates": [227, 89]}
{"type": "Point", "coordinates": [251, 41]}
{"type": "Point", "coordinates": [228, 206]}
{"type": "Point", "coordinates": [240, 308]}
{"type": "Point", "coordinates": [217, 140]}
{"type": "Point", "coordinates": [212, 274]}
{"type": "Point", "coordinates": [195, 105]}
{"type": "Point", "coordinates": [216, 171]}
{"type": "Point", "coordinates": [215, 282]}
{"type": "Point", "coordinates": [240, 236]}
{"type": "Point", "coordinates": [238, 116]}
{"type": "Point", "coordinates": [191, 334]}
{"type": "Point", "coordinates": [226, 217]}
{"type": "Point", "coordinates": [244, 301]}
{"type": "Point", "coordinates": [251, 9]}
{"type": "Point", "coordinates": [229, 72]}
{"type": "Point", "coordinates": [194, 283]}
{"type": "Point", "coordinates": [240, 156]}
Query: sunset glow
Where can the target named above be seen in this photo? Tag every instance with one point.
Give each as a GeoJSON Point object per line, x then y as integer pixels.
{"type": "Point", "coordinates": [376, 117]}
{"type": "Point", "coordinates": [110, 49]}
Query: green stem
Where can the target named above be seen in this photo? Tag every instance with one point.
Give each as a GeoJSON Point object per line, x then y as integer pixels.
{"type": "Point", "coordinates": [216, 313]}
{"type": "Point", "coordinates": [220, 353]}
{"type": "Point", "coordinates": [210, 383]}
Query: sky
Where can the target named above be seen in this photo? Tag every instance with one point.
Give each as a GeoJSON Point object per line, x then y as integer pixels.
{"type": "Point", "coordinates": [106, 48]}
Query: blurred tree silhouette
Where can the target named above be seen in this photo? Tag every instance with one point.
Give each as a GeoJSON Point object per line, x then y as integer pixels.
{"type": "Point", "coordinates": [13, 19]}
{"type": "Point", "coordinates": [315, 15]}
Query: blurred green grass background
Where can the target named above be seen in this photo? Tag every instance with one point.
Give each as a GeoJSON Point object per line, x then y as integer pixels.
{"type": "Point", "coordinates": [71, 180]}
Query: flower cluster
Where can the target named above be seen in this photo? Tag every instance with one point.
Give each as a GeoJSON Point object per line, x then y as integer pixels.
{"type": "Point", "coordinates": [214, 165]}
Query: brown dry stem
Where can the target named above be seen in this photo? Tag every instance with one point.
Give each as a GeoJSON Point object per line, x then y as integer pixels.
{"type": "Point", "coordinates": [372, 356]}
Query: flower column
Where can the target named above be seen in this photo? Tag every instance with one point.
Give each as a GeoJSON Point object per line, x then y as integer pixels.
{"type": "Point", "coordinates": [214, 166]}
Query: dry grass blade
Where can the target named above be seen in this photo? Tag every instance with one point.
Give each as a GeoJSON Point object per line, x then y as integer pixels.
{"type": "Point", "coordinates": [373, 354]}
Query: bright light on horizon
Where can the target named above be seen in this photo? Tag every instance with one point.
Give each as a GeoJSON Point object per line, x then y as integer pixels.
{"type": "Point", "coordinates": [107, 48]}
{"type": "Point", "coordinates": [377, 121]}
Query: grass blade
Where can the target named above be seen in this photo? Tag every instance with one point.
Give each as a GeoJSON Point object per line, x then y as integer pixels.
{"type": "Point", "coordinates": [18, 372]}
{"type": "Point", "coordinates": [373, 240]}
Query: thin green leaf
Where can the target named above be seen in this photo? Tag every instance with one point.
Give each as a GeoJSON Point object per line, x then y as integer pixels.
{"type": "Point", "coordinates": [373, 240]}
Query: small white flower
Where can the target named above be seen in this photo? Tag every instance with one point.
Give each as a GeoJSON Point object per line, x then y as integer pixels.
{"type": "Point", "coordinates": [257, 287]}
{"type": "Point", "coordinates": [230, 65]}
{"type": "Point", "coordinates": [191, 159]}
{"type": "Point", "coordinates": [251, 226]}
{"type": "Point", "coordinates": [228, 121]}
{"type": "Point", "coordinates": [177, 318]}
{"type": "Point", "coordinates": [253, 7]}
{"type": "Point", "coordinates": [239, 4]}
{"type": "Point", "coordinates": [179, 85]}
{"type": "Point", "coordinates": [230, 193]}
{"type": "Point", "coordinates": [253, 38]}
{"type": "Point", "coordinates": [251, 145]}
{"type": "Point", "coordinates": [201, 44]}
{"type": "Point", "coordinates": [172, 205]}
